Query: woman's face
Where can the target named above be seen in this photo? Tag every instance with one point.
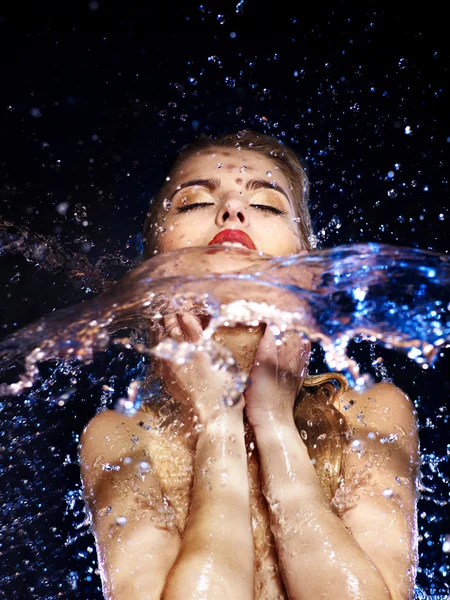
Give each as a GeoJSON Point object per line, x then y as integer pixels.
{"type": "Point", "coordinates": [239, 194]}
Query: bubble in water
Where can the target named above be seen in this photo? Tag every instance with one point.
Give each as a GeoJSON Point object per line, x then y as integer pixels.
{"type": "Point", "coordinates": [167, 203]}
{"type": "Point", "coordinates": [221, 19]}
{"type": "Point", "coordinates": [403, 63]}
{"type": "Point", "coordinates": [392, 193]}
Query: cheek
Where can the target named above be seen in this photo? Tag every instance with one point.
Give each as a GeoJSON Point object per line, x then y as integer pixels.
{"type": "Point", "coordinates": [179, 233]}
{"type": "Point", "coordinates": [280, 239]}
{"type": "Point", "coordinates": [172, 237]}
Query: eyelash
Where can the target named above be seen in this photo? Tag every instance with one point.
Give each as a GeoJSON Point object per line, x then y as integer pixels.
{"type": "Point", "coordinates": [271, 209]}
{"type": "Point", "coordinates": [263, 207]}
{"type": "Point", "coordinates": [188, 207]}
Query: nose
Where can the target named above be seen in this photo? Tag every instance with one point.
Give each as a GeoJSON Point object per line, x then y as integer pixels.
{"type": "Point", "coordinates": [232, 211]}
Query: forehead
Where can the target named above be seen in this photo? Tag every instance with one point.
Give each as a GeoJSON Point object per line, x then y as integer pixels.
{"type": "Point", "coordinates": [217, 162]}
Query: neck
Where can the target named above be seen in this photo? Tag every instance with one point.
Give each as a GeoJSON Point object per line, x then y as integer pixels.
{"type": "Point", "coordinates": [242, 341]}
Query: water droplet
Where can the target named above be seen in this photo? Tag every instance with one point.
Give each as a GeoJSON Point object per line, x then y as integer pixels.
{"type": "Point", "coordinates": [221, 19]}
{"type": "Point", "coordinates": [62, 208]}
{"type": "Point", "coordinates": [121, 521]}
{"type": "Point", "coordinates": [392, 193]}
{"type": "Point", "coordinates": [35, 112]}
{"type": "Point", "coordinates": [335, 222]}
{"type": "Point", "coordinates": [269, 173]}
{"type": "Point", "coordinates": [167, 203]}
{"type": "Point", "coordinates": [403, 63]}
{"type": "Point", "coordinates": [125, 406]}
{"type": "Point", "coordinates": [388, 493]}
{"type": "Point", "coordinates": [230, 82]}
{"type": "Point", "coordinates": [79, 212]}
{"type": "Point", "coordinates": [144, 467]}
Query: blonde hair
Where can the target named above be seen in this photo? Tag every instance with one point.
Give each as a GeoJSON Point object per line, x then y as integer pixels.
{"type": "Point", "coordinates": [321, 425]}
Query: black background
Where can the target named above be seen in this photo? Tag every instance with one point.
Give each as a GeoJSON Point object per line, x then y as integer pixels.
{"type": "Point", "coordinates": [95, 100]}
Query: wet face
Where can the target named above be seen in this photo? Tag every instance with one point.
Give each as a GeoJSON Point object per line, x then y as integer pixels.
{"type": "Point", "coordinates": [239, 194]}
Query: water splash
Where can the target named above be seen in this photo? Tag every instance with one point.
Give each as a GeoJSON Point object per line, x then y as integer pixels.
{"type": "Point", "coordinates": [397, 297]}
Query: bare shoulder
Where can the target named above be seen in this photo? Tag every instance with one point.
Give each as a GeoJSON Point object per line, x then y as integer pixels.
{"type": "Point", "coordinates": [381, 473]}
{"type": "Point", "coordinates": [109, 433]}
{"type": "Point", "coordinates": [134, 525]}
{"type": "Point", "coordinates": [380, 408]}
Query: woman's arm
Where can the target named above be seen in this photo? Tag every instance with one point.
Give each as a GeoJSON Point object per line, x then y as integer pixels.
{"type": "Point", "coordinates": [216, 558]}
{"type": "Point", "coordinates": [371, 552]}
{"type": "Point", "coordinates": [141, 553]}
{"type": "Point", "coordinates": [318, 556]}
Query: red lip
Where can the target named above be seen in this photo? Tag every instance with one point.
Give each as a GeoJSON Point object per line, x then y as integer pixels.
{"type": "Point", "coordinates": [233, 235]}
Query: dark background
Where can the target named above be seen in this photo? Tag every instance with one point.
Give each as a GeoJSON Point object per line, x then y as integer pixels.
{"type": "Point", "coordinates": [95, 100]}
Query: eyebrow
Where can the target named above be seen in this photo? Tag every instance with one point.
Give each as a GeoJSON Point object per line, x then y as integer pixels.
{"type": "Point", "coordinates": [212, 184]}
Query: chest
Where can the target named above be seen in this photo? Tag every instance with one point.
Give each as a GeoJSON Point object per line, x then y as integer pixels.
{"type": "Point", "coordinates": [173, 462]}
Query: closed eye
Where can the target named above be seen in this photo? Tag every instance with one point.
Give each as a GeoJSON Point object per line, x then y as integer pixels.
{"type": "Point", "coordinates": [271, 209]}
{"type": "Point", "coordinates": [193, 206]}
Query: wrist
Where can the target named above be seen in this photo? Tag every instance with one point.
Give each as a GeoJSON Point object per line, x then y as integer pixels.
{"type": "Point", "coordinates": [271, 419]}
{"type": "Point", "coordinates": [221, 415]}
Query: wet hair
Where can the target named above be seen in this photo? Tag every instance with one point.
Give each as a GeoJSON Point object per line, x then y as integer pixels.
{"type": "Point", "coordinates": [321, 425]}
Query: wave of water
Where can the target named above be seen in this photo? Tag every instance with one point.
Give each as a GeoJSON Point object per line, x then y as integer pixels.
{"type": "Point", "coordinates": [398, 297]}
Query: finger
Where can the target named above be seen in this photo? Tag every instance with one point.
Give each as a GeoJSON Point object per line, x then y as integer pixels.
{"type": "Point", "coordinates": [191, 327]}
{"type": "Point", "coordinates": [173, 329]}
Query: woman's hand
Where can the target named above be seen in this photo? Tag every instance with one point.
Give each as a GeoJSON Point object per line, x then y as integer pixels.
{"type": "Point", "coordinates": [276, 378]}
{"type": "Point", "coordinates": [196, 383]}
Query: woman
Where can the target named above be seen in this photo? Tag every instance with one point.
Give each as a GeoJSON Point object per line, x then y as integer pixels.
{"type": "Point", "coordinates": [302, 489]}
